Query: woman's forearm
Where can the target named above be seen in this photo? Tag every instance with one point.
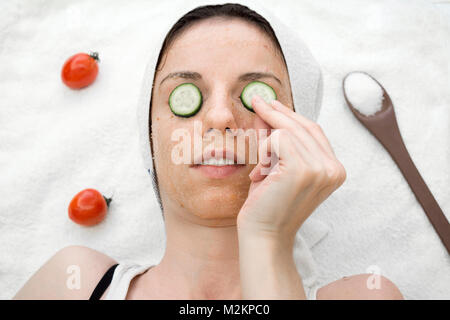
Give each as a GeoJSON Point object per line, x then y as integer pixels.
{"type": "Point", "coordinates": [267, 269]}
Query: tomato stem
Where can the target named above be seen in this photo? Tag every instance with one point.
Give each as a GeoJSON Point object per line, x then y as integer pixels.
{"type": "Point", "coordinates": [108, 200]}
{"type": "Point", "coordinates": [95, 56]}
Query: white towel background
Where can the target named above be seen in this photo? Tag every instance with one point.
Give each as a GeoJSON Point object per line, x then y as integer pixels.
{"type": "Point", "coordinates": [55, 141]}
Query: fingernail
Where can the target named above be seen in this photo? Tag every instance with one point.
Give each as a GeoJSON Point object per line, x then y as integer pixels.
{"type": "Point", "coordinates": [257, 98]}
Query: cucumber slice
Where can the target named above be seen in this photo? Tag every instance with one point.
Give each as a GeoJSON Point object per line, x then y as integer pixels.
{"type": "Point", "coordinates": [262, 89]}
{"type": "Point", "coordinates": [185, 100]}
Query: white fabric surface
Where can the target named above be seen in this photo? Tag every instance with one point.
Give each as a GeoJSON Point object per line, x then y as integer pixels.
{"type": "Point", "coordinates": [55, 141]}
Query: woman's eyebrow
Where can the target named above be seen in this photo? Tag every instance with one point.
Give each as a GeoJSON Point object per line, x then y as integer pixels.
{"type": "Point", "coordinates": [182, 74]}
{"type": "Point", "coordinates": [249, 76]}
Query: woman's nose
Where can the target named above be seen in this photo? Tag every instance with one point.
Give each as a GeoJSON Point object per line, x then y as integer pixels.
{"type": "Point", "coordinates": [219, 114]}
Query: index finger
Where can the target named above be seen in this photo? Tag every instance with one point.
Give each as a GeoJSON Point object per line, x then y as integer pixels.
{"type": "Point", "coordinates": [280, 119]}
{"type": "Point", "coordinates": [314, 129]}
{"type": "Point", "coordinates": [269, 115]}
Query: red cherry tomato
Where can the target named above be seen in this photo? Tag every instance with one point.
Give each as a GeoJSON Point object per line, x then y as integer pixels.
{"type": "Point", "coordinates": [80, 70]}
{"type": "Point", "coordinates": [88, 207]}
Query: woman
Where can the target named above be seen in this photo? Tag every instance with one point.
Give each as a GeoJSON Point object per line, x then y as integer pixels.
{"type": "Point", "coordinates": [230, 230]}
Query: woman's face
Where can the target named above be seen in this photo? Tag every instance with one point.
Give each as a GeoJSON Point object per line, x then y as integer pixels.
{"type": "Point", "coordinates": [220, 51]}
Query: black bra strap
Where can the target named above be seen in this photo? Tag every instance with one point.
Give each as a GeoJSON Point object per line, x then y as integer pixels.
{"type": "Point", "coordinates": [103, 284]}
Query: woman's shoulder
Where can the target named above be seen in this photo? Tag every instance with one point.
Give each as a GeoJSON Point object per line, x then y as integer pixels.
{"type": "Point", "coordinates": [71, 273]}
{"type": "Point", "coordinates": [364, 286]}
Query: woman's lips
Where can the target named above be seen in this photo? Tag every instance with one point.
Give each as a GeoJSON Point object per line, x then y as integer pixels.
{"type": "Point", "coordinates": [217, 172]}
{"type": "Point", "coordinates": [219, 168]}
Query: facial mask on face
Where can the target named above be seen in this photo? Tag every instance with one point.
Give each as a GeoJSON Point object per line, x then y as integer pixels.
{"type": "Point", "coordinates": [304, 73]}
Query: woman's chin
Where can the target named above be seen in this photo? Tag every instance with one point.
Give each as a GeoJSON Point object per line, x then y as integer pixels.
{"type": "Point", "coordinates": [208, 201]}
{"type": "Point", "coordinates": [218, 214]}
{"type": "Point", "coordinates": [218, 206]}
{"type": "Point", "coordinates": [220, 210]}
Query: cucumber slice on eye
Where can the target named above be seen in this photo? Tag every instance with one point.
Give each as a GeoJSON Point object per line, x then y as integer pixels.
{"type": "Point", "coordinates": [262, 89]}
{"type": "Point", "coordinates": [185, 100]}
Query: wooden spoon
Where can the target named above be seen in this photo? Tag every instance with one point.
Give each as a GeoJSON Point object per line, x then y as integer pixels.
{"type": "Point", "coordinates": [383, 125]}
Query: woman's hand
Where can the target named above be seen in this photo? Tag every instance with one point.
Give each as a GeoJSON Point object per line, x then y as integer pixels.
{"type": "Point", "coordinates": [280, 199]}
{"type": "Point", "coordinates": [306, 173]}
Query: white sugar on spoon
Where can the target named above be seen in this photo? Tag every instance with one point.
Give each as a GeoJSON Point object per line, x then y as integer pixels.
{"type": "Point", "coordinates": [364, 93]}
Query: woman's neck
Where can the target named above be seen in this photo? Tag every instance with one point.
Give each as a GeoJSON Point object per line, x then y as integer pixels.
{"type": "Point", "coordinates": [201, 261]}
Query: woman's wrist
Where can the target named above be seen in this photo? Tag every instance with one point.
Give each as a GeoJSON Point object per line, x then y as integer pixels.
{"type": "Point", "coordinates": [274, 237]}
{"type": "Point", "coordinates": [267, 267]}
{"type": "Point", "coordinates": [273, 248]}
